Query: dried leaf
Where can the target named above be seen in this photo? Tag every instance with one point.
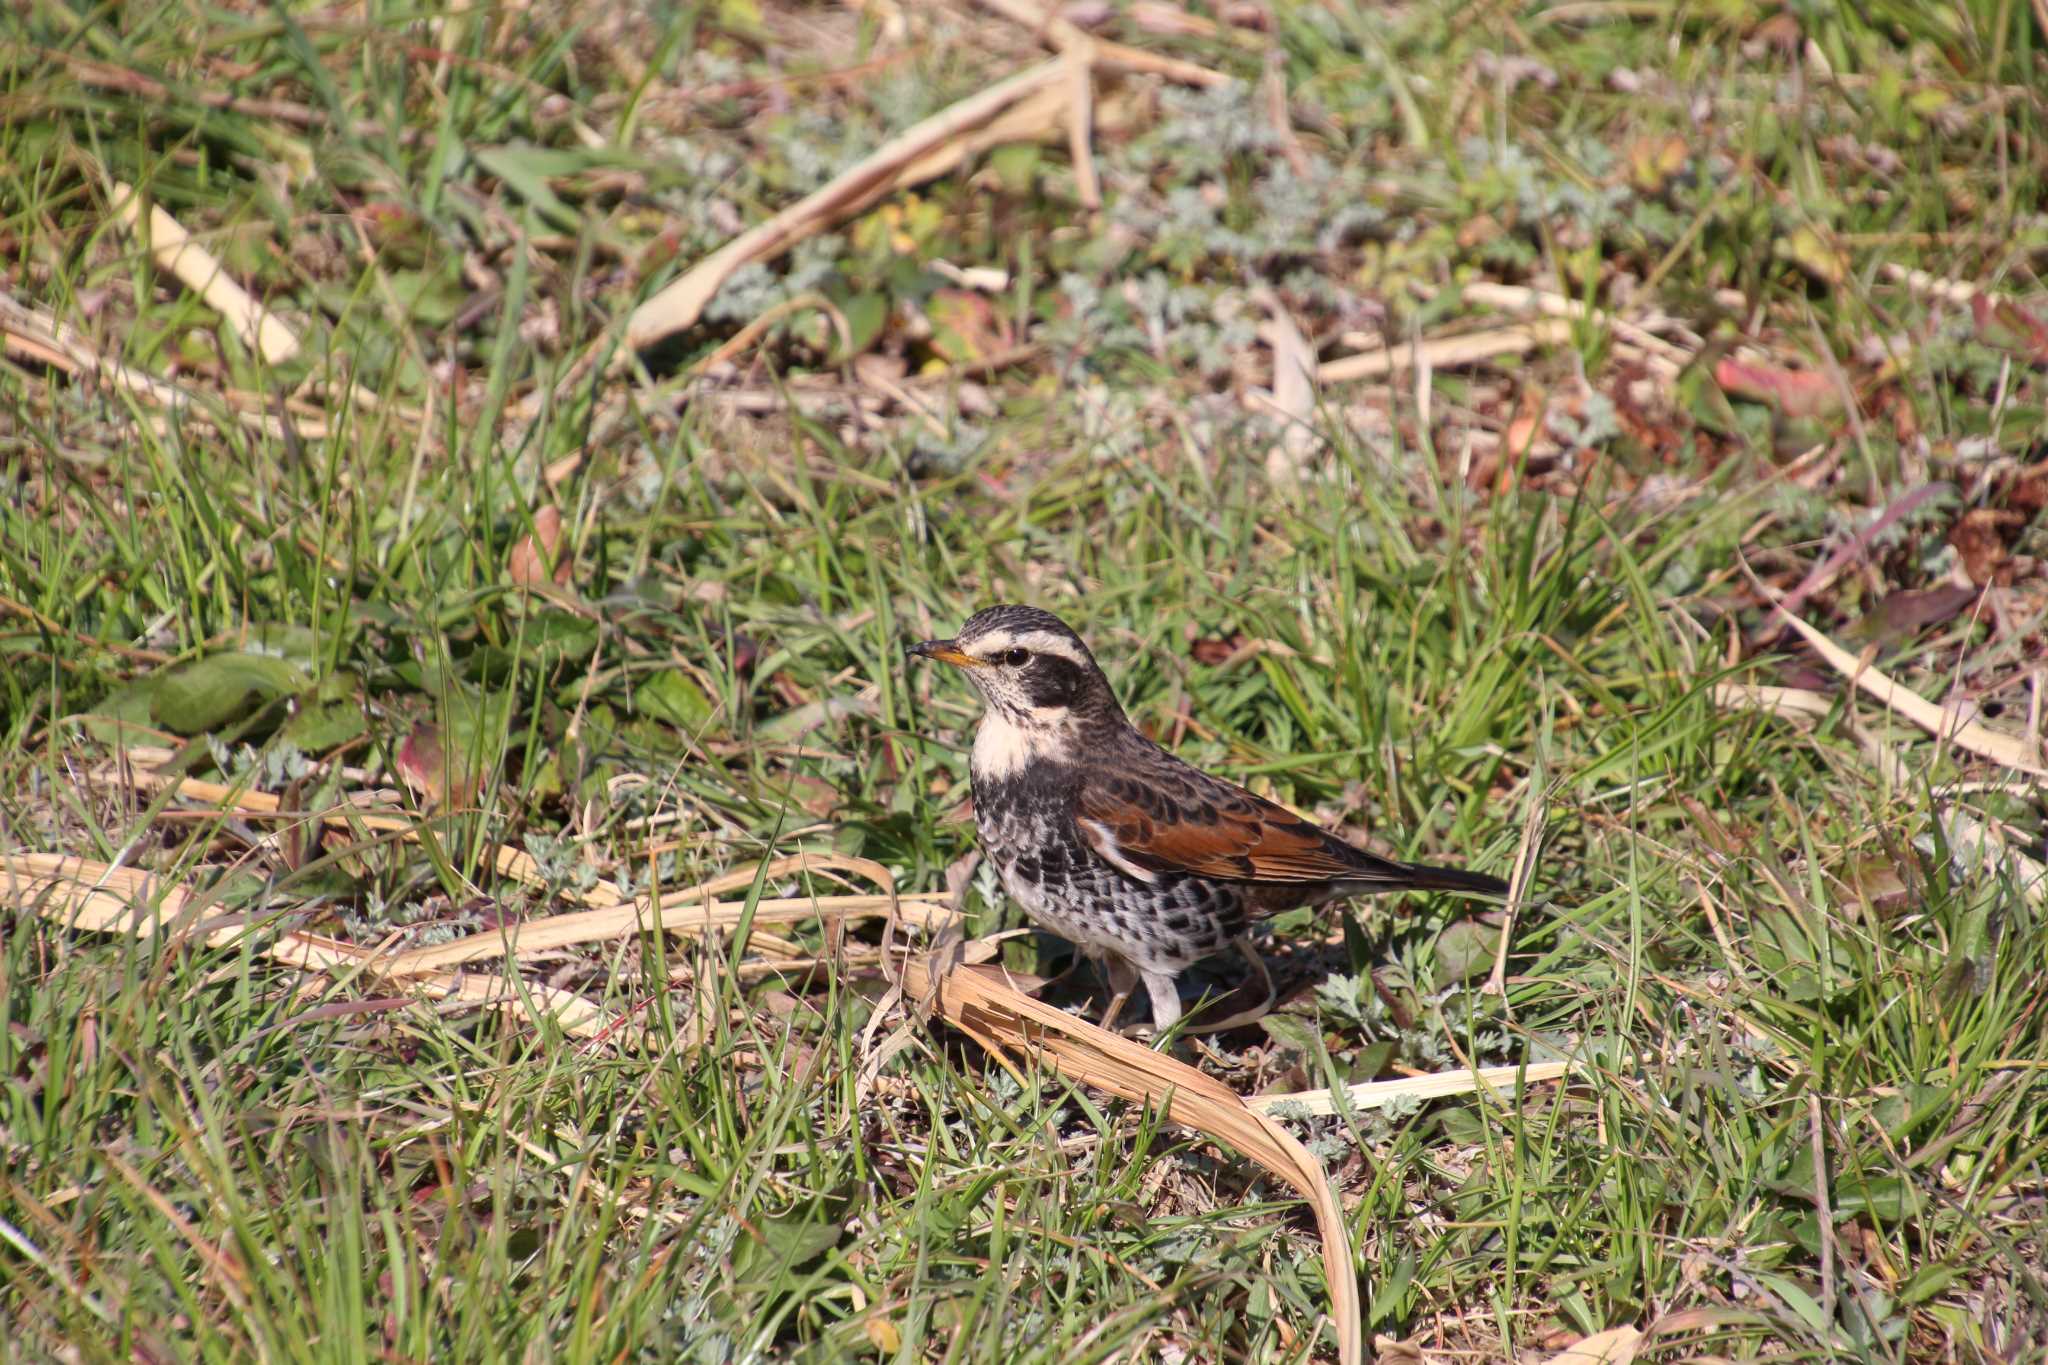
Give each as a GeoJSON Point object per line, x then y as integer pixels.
{"type": "Point", "coordinates": [1615, 1346]}
{"type": "Point", "coordinates": [98, 897]}
{"type": "Point", "coordinates": [1778, 701]}
{"type": "Point", "coordinates": [1979, 537]}
{"type": "Point", "coordinates": [1011, 1025]}
{"type": "Point", "coordinates": [538, 559]}
{"type": "Point", "coordinates": [2006, 325]}
{"type": "Point", "coordinates": [1904, 614]}
{"type": "Point", "coordinates": [2019, 755]}
{"type": "Point", "coordinates": [1813, 252]}
{"type": "Point", "coordinates": [1795, 393]}
{"type": "Point", "coordinates": [1652, 161]}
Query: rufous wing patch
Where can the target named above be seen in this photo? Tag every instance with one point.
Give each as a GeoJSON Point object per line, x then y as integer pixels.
{"type": "Point", "coordinates": [1236, 838]}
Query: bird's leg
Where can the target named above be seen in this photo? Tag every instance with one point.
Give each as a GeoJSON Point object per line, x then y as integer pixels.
{"type": "Point", "coordinates": [1123, 979]}
{"type": "Point", "coordinates": [1165, 1000]}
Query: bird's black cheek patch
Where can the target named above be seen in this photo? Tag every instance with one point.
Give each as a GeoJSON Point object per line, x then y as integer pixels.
{"type": "Point", "coordinates": [1053, 681]}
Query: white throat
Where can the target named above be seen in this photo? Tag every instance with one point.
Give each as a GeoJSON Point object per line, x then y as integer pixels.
{"type": "Point", "coordinates": [1003, 747]}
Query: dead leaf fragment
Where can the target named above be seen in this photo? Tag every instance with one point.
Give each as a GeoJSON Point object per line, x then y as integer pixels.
{"type": "Point", "coordinates": [423, 765]}
{"type": "Point", "coordinates": [1795, 393]}
{"type": "Point", "coordinates": [1652, 161]}
{"type": "Point", "coordinates": [538, 559]}
{"type": "Point", "coordinates": [1615, 1346]}
{"type": "Point", "coordinates": [1904, 614]}
{"type": "Point", "coordinates": [1213, 652]}
{"type": "Point", "coordinates": [1979, 540]}
{"type": "Point", "coordinates": [1016, 1029]}
{"type": "Point", "coordinates": [2006, 325]}
{"type": "Point", "coordinates": [1813, 252]}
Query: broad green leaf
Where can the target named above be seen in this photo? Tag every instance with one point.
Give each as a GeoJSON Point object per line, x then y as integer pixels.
{"type": "Point", "coordinates": [220, 688]}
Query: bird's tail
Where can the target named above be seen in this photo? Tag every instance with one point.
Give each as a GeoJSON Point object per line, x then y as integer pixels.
{"type": "Point", "coordinates": [1424, 877]}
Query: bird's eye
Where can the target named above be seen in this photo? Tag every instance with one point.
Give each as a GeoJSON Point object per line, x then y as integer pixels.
{"type": "Point", "coordinates": [1016, 658]}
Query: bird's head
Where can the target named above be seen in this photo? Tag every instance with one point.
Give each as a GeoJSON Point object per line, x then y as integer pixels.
{"type": "Point", "coordinates": [1029, 667]}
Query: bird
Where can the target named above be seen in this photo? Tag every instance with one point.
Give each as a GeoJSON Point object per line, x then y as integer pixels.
{"type": "Point", "coordinates": [1141, 860]}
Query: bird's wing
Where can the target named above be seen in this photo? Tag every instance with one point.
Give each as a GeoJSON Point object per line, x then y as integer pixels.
{"type": "Point", "coordinates": [1187, 821]}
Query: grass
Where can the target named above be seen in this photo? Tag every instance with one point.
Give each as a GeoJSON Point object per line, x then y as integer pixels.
{"type": "Point", "coordinates": [1812, 1125]}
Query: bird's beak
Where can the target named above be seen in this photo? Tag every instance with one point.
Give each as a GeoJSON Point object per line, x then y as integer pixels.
{"type": "Point", "coordinates": [946, 652]}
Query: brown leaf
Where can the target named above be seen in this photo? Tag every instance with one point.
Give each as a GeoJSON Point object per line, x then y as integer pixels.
{"type": "Point", "coordinates": [423, 763]}
{"type": "Point", "coordinates": [1887, 888]}
{"type": "Point", "coordinates": [1979, 539]}
{"type": "Point", "coordinates": [538, 559]}
{"type": "Point", "coordinates": [1019, 1031]}
{"type": "Point", "coordinates": [745, 652]}
{"type": "Point", "coordinates": [967, 327]}
{"type": "Point", "coordinates": [816, 797]}
{"type": "Point", "coordinates": [1904, 613]}
{"type": "Point", "coordinates": [1615, 1346]}
{"type": "Point", "coordinates": [1525, 427]}
{"type": "Point", "coordinates": [2028, 491]}
{"type": "Point", "coordinates": [1211, 651]}
{"type": "Point", "coordinates": [2006, 325]}
{"type": "Point", "coordinates": [1795, 393]}
{"type": "Point", "coordinates": [1652, 161]}
{"type": "Point", "coordinates": [1780, 32]}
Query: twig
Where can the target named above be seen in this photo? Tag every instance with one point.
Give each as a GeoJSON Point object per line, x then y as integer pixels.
{"type": "Point", "coordinates": [1030, 104]}
{"type": "Point", "coordinates": [1063, 35]}
{"type": "Point", "coordinates": [1821, 1207]}
{"type": "Point", "coordinates": [1448, 352]}
{"type": "Point", "coordinates": [1374, 1094]}
{"type": "Point", "coordinates": [927, 149]}
{"type": "Point", "coordinates": [196, 268]}
{"type": "Point", "coordinates": [55, 627]}
{"type": "Point", "coordinates": [1940, 722]}
{"type": "Point", "coordinates": [753, 331]}
{"type": "Point", "coordinates": [32, 332]}
{"type": "Point", "coordinates": [82, 894]}
{"type": "Point", "coordinates": [1518, 883]}
{"type": "Point", "coordinates": [1081, 125]}
{"type": "Point", "coordinates": [1664, 358]}
{"type": "Point", "coordinates": [1293, 399]}
{"type": "Point", "coordinates": [1825, 572]}
{"type": "Point", "coordinates": [1274, 82]}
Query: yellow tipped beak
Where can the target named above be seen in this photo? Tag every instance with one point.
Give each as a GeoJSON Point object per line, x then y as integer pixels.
{"type": "Point", "coordinates": [946, 652]}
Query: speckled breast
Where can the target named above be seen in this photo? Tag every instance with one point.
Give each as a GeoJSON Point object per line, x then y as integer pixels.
{"type": "Point", "coordinates": [1027, 830]}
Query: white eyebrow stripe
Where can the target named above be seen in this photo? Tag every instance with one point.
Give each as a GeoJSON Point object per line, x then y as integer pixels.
{"type": "Point", "coordinates": [1037, 641]}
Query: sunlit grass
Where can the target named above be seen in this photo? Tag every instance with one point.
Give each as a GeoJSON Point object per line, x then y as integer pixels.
{"type": "Point", "coordinates": [1811, 1120]}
